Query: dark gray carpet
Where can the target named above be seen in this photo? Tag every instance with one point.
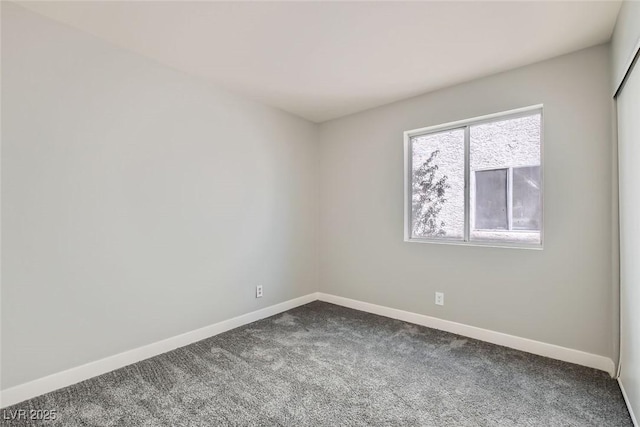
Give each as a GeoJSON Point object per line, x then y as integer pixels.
{"type": "Point", "coordinates": [325, 365]}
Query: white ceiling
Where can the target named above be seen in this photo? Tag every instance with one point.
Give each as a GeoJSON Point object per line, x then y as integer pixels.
{"type": "Point", "coordinates": [322, 60]}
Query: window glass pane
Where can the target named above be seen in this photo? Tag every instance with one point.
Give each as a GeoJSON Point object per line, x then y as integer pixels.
{"type": "Point", "coordinates": [506, 144]}
{"type": "Point", "coordinates": [491, 200]}
{"type": "Point", "coordinates": [527, 209]}
{"type": "Point", "coordinates": [437, 185]}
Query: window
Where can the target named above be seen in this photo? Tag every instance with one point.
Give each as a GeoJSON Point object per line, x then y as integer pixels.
{"type": "Point", "coordinates": [477, 181]}
{"type": "Point", "coordinates": [507, 199]}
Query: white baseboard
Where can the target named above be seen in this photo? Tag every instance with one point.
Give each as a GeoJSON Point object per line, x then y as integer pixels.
{"type": "Point", "coordinates": [524, 344]}
{"type": "Point", "coordinates": [626, 401]}
{"type": "Point", "coordinates": [75, 375]}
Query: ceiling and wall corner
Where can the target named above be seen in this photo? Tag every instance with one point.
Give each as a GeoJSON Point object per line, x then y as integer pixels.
{"type": "Point", "coordinates": [323, 60]}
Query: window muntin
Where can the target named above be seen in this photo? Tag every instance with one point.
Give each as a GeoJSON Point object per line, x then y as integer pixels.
{"type": "Point", "coordinates": [479, 181]}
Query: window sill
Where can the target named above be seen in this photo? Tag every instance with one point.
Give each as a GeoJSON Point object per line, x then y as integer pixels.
{"type": "Point", "coordinates": [487, 244]}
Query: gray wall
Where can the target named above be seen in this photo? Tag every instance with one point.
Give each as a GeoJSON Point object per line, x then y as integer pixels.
{"type": "Point", "coordinates": [560, 295]}
{"type": "Point", "coordinates": [137, 202]}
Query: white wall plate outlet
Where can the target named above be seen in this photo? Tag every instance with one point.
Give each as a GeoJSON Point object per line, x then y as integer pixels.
{"type": "Point", "coordinates": [259, 291]}
{"type": "Point", "coordinates": [439, 298]}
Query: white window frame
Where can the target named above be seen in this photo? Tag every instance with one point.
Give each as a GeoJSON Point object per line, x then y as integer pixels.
{"type": "Point", "coordinates": [466, 124]}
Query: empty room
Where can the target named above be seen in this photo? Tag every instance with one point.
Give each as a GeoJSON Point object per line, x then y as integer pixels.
{"type": "Point", "coordinates": [320, 213]}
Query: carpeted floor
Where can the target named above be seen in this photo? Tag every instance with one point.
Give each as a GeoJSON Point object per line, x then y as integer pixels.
{"type": "Point", "coordinates": [325, 365]}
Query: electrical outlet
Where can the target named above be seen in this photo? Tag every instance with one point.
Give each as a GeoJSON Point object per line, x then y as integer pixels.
{"type": "Point", "coordinates": [439, 298]}
{"type": "Point", "coordinates": [259, 291]}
